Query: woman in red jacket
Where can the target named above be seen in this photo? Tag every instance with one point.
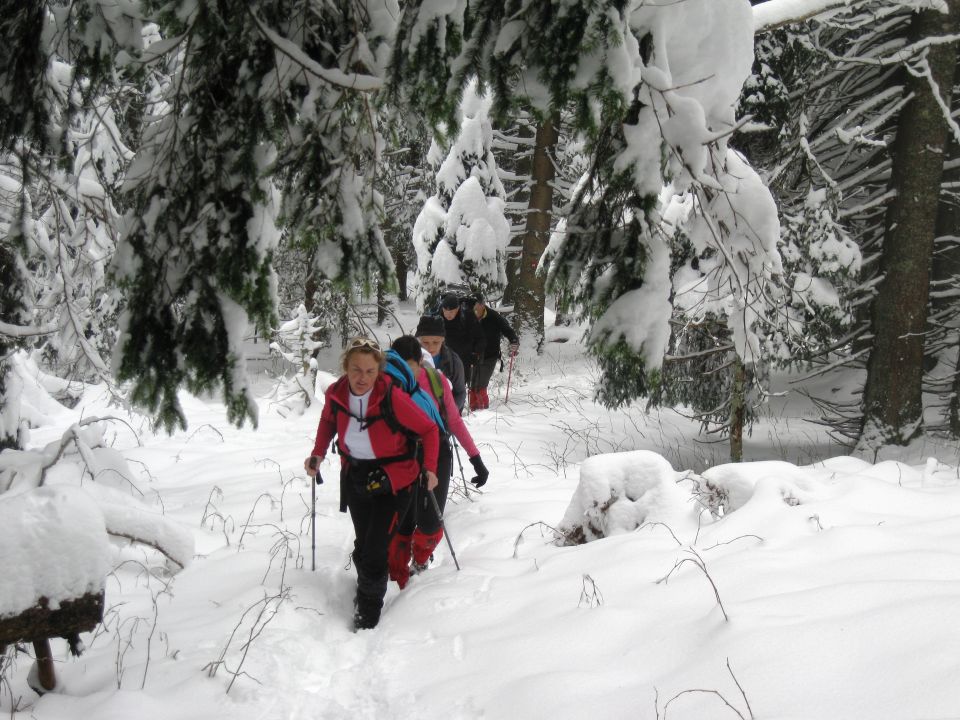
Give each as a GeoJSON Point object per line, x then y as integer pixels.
{"type": "Point", "coordinates": [376, 425]}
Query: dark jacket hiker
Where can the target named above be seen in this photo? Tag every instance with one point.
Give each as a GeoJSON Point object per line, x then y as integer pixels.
{"type": "Point", "coordinates": [463, 333]}
{"type": "Point", "coordinates": [494, 327]}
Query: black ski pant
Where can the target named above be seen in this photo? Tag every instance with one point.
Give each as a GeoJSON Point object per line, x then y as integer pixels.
{"type": "Point", "coordinates": [422, 515]}
{"type": "Point", "coordinates": [373, 519]}
{"type": "Point", "coordinates": [483, 372]}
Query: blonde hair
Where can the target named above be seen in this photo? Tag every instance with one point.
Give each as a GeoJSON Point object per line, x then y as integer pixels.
{"type": "Point", "coordinates": [365, 346]}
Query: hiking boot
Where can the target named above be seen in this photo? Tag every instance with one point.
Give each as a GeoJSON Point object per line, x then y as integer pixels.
{"type": "Point", "coordinates": [366, 613]}
{"type": "Point", "coordinates": [417, 568]}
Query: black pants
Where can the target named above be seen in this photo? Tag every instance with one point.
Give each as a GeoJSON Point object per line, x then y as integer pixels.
{"type": "Point", "coordinates": [469, 374]}
{"type": "Point", "coordinates": [373, 519]}
{"type": "Point", "coordinates": [483, 373]}
{"type": "Point", "coordinates": [422, 515]}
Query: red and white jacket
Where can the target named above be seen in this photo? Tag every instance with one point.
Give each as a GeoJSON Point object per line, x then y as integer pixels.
{"type": "Point", "coordinates": [384, 441]}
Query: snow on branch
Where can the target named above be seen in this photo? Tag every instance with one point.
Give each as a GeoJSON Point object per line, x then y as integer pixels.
{"type": "Point", "coordinates": [774, 14]}
{"type": "Point", "coordinates": [28, 330]}
{"type": "Point", "coordinates": [354, 81]}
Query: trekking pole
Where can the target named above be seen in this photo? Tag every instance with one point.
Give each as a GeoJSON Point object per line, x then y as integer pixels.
{"type": "Point", "coordinates": [313, 513]}
{"type": "Point", "coordinates": [436, 509]}
{"type": "Point", "coordinates": [506, 397]}
{"type": "Point", "coordinates": [456, 448]}
{"type": "Point", "coordinates": [470, 391]}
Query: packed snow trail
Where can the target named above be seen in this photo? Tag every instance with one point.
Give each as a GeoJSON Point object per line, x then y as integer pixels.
{"type": "Point", "coordinates": [841, 582]}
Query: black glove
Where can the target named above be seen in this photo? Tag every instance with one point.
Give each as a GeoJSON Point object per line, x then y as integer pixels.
{"type": "Point", "coordinates": [480, 479]}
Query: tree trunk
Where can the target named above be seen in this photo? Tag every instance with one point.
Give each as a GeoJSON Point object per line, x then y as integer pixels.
{"type": "Point", "coordinates": [521, 168]}
{"type": "Point", "coordinates": [381, 302]}
{"type": "Point", "coordinates": [310, 286]}
{"type": "Point", "coordinates": [946, 276]}
{"type": "Point", "coordinates": [893, 407]}
{"type": "Point", "coordinates": [400, 260]}
{"type": "Point", "coordinates": [946, 268]}
{"type": "Point", "coordinates": [530, 295]}
{"type": "Point", "coordinates": [738, 407]}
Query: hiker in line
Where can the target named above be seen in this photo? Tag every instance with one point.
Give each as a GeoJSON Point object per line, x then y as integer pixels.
{"type": "Point", "coordinates": [463, 334]}
{"type": "Point", "coordinates": [431, 333]}
{"type": "Point", "coordinates": [420, 530]}
{"type": "Point", "coordinates": [373, 421]}
{"type": "Point", "coordinates": [494, 326]}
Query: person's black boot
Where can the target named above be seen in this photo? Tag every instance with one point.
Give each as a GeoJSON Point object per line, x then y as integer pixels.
{"type": "Point", "coordinates": [366, 612]}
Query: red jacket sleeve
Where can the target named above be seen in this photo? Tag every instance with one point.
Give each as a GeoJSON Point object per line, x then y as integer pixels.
{"type": "Point", "coordinates": [327, 429]}
{"type": "Point", "coordinates": [412, 417]}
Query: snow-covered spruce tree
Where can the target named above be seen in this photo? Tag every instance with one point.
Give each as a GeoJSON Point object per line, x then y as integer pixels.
{"type": "Point", "coordinates": [817, 134]}
{"type": "Point", "coordinates": [73, 239]}
{"type": "Point", "coordinates": [275, 92]}
{"type": "Point", "coordinates": [12, 316]}
{"type": "Point", "coordinates": [513, 148]}
{"type": "Point", "coordinates": [405, 180]}
{"type": "Point", "coordinates": [893, 393]}
{"type": "Point", "coordinates": [61, 157]}
{"type": "Point", "coordinates": [461, 235]}
{"type": "Point", "coordinates": [295, 341]}
{"type": "Point", "coordinates": [672, 134]}
{"type": "Point", "coordinates": [651, 112]}
{"type": "Point", "coordinates": [546, 163]}
{"type": "Point", "coordinates": [845, 72]}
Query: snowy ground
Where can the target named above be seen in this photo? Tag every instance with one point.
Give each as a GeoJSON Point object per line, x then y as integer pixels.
{"type": "Point", "coordinates": [826, 591]}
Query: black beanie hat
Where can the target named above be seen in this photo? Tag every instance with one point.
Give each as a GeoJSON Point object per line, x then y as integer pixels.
{"type": "Point", "coordinates": [449, 302]}
{"type": "Point", "coordinates": [431, 325]}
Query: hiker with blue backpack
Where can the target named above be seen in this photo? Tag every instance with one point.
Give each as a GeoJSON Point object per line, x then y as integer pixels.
{"type": "Point", "coordinates": [380, 431]}
{"type": "Point", "coordinates": [421, 529]}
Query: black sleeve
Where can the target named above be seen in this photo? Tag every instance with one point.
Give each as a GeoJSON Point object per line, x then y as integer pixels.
{"type": "Point", "coordinates": [507, 330]}
{"type": "Point", "coordinates": [479, 338]}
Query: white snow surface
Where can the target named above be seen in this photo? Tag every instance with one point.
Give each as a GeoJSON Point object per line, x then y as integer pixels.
{"type": "Point", "coordinates": [826, 586]}
{"type": "Point", "coordinates": [53, 545]}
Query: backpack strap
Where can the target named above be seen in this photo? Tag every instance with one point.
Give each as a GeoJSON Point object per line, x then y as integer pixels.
{"type": "Point", "coordinates": [389, 417]}
{"type": "Point", "coordinates": [436, 384]}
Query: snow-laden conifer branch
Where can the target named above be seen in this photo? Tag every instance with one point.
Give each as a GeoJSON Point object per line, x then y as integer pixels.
{"type": "Point", "coordinates": [904, 55]}
{"type": "Point", "coordinates": [24, 331]}
{"type": "Point", "coordinates": [774, 14]}
{"type": "Point", "coordinates": [348, 81]}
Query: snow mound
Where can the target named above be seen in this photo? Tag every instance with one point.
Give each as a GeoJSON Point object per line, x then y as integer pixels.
{"type": "Point", "coordinates": [618, 492]}
{"type": "Point", "coordinates": [53, 544]}
{"type": "Point", "coordinates": [725, 488]}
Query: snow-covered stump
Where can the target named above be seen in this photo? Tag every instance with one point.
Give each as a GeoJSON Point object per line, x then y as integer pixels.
{"type": "Point", "coordinates": [619, 492]}
{"type": "Point", "coordinates": [55, 554]}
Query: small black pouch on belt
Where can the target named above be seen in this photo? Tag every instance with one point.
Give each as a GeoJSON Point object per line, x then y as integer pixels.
{"type": "Point", "coordinates": [368, 479]}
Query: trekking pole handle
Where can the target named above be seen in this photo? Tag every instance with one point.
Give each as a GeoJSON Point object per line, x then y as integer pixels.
{"type": "Point", "coordinates": [312, 464]}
